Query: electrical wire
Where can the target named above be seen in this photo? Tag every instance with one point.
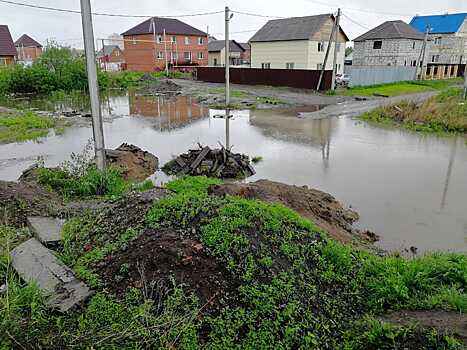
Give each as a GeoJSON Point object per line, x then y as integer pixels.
{"type": "Point", "coordinates": [255, 14]}
{"type": "Point", "coordinates": [355, 22]}
{"type": "Point", "coordinates": [104, 14]}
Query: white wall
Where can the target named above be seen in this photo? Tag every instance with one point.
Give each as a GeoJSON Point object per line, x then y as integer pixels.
{"type": "Point", "coordinates": [316, 57]}
{"type": "Point", "coordinates": [278, 53]}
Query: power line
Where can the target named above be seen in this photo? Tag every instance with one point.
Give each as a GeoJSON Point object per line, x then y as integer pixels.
{"type": "Point", "coordinates": [256, 14]}
{"type": "Point", "coordinates": [355, 22]}
{"type": "Point", "coordinates": [103, 14]}
{"type": "Point", "coordinates": [359, 9]}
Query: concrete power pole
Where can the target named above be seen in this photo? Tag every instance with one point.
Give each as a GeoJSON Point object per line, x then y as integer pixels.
{"type": "Point", "coordinates": [166, 57]}
{"type": "Point", "coordinates": [334, 61]}
{"type": "Point", "coordinates": [421, 59]}
{"type": "Point", "coordinates": [465, 83]}
{"type": "Point", "coordinates": [228, 17]}
{"type": "Point", "coordinates": [97, 127]}
{"type": "Point", "coordinates": [323, 68]}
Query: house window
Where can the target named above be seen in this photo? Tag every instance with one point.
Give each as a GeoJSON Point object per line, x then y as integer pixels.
{"type": "Point", "coordinates": [187, 55]}
{"type": "Point", "coordinates": [160, 55]}
{"type": "Point", "coordinates": [413, 45]}
{"type": "Point", "coordinates": [215, 61]}
{"type": "Point", "coordinates": [174, 39]}
{"type": "Point", "coordinates": [173, 55]}
{"type": "Point", "coordinates": [321, 47]}
{"type": "Point", "coordinates": [200, 41]}
{"type": "Point", "coordinates": [377, 45]}
{"type": "Point", "coordinates": [187, 40]}
{"type": "Point", "coordinates": [200, 55]}
{"type": "Point", "coordinates": [117, 53]}
{"type": "Point", "coordinates": [338, 47]}
{"type": "Point", "coordinates": [437, 40]}
{"type": "Point", "coordinates": [266, 65]}
{"type": "Point", "coordinates": [134, 41]}
{"type": "Point", "coordinates": [289, 65]}
{"type": "Point", "coordinates": [319, 66]}
{"type": "Point", "coordinates": [435, 58]}
{"type": "Point", "coordinates": [159, 39]}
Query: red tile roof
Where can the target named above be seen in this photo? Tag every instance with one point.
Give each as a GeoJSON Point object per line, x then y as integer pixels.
{"type": "Point", "coordinates": [7, 48]}
{"type": "Point", "coordinates": [171, 26]}
{"type": "Point", "coordinates": [26, 41]}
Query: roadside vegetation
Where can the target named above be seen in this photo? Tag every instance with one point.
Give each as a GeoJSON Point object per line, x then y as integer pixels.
{"type": "Point", "coordinates": [400, 88]}
{"type": "Point", "coordinates": [446, 112]}
{"type": "Point", "coordinates": [264, 278]}
{"type": "Point", "coordinates": [23, 126]}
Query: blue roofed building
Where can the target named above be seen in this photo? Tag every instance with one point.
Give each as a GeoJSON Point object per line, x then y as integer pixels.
{"type": "Point", "coordinates": [447, 45]}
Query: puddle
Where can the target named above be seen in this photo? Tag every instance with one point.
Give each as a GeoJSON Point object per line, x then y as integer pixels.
{"type": "Point", "coordinates": [409, 188]}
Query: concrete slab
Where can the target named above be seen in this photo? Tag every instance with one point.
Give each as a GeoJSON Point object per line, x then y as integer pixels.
{"type": "Point", "coordinates": [47, 230]}
{"type": "Point", "coordinates": [36, 263]}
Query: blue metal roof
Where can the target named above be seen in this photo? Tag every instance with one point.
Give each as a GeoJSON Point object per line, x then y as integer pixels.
{"type": "Point", "coordinates": [449, 23]}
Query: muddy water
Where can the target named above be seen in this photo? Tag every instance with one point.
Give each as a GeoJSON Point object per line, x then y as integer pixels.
{"type": "Point", "coordinates": [409, 188]}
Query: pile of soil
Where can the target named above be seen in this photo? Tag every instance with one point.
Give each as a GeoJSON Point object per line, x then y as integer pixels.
{"type": "Point", "coordinates": [320, 207]}
{"type": "Point", "coordinates": [136, 164]}
{"type": "Point", "coordinates": [156, 86]}
{"type": "Point", "coordinates": [218, 163]}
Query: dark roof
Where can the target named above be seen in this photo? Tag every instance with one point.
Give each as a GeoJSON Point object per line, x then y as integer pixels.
{"type": "Point", "coordinates": [439, 24]}
{"type": "Point", "coordinates": [7, 48]}
{"type": "Point", "coordinates": [391, 30]}
{"type": "Point", "coordinates": [246, 46]}
{"type": "Point", "coordinates": [295, 28]}
{"type": "Point", "coordinates": [218, 45]}
{"type": "Point", "coordinates": [26, 41]}
{"type": "Point", "coordinates": [108, 49]}
{"type": "Point", "coordinates": [171, 26]}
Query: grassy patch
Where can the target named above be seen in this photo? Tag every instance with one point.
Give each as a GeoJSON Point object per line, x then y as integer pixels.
{"type": "Point", "coordinates": [24, 126]}
{"type": "Point", "coordinates": [444, 113]}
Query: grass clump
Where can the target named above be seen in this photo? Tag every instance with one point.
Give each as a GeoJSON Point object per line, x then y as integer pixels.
{"type": "Point", "coordinates": [439, 114]}
{"type": "Point", "coordinates": [24, 126]}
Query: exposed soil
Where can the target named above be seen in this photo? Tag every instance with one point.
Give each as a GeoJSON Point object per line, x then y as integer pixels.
{"type": "Point", "coordinates": [443, 321]}
{"type": "Point", "coordinates": [154, 86]}
{"type": "Point", "coordinates": [320, 207]}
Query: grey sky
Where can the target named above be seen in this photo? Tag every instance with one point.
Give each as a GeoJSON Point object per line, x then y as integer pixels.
{"type": "Point", "coordinates": [66, 27]}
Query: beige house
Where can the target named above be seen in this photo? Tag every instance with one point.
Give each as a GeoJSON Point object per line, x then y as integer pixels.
{"type": "Point", "coordinates": [297, 43]}
{"type": "Point", "coordinates": [216, 53]}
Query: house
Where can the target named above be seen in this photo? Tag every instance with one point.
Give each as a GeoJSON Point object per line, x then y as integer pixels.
{"type": "Point", "coordinates": [392, 43]}
{"type": "Point", "coordinates": [297, 43]}
{"type": "Point", "coordinates": [246, 55]}
{"type": "Point", "coordinates": [149, 44]}
{"type": "Point", "coordinates": [27, 49]}
{"type": "Point", "coordinates": [7, 47]}
{"type": "Point", "coordinates": [111, 58]}
{"type": "Point", "coordinates": [216, 53]}
{"type": "Point", "coordinates": [447, 46]}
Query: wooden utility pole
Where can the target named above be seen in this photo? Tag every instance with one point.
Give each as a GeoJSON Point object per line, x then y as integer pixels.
{"type": "Point", "coordinates": [334, 61]}
{"type": "Point", "coordinates": [97, 128]}
{"type": "Point", "coordinates": [421, 59]}
{"type": "Point", "coordinates": [228, 17]}
{"type": "Point", "coordinates": [326, 57]}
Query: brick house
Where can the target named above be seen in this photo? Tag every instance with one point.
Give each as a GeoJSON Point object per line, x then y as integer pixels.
{"type": "Point", "coordinates": [111, 57]}
{"type": "Point", "coordinates": [148, 46]}
{"type": "Point", "coordinates": [7, 47]}
{"type": "Point", "coordinates": [246, 55]}
{"type": "Point", "coordinates": [392, 43]}
{"type": "Point", "coordinates": [447, 46]}
{"type": "Point", "coordinates": [216, 53]}
{"type": "Point", "coordinates": [297, 43]}
{"type": "Point", "coordinates": [28, 49]}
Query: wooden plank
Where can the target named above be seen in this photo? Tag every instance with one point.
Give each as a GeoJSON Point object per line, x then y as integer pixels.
{"type": "Point", "coordinates": [200, 157]}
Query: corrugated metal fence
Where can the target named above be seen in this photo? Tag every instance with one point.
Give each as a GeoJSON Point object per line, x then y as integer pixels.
{"type": "Point", "coordinates": [298, 78]}
{"type": "Point", "coordinates": [362, 76]}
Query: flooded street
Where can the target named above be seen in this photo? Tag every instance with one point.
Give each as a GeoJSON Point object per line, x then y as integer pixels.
{"type": "Point", "coordinates": [409, 188]}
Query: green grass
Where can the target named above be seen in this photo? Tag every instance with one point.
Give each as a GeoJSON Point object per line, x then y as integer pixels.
{"type": "Point", "coordinates": [24, 126]}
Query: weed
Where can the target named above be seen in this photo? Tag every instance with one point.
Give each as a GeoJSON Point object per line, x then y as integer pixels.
{"type": "Point", "coordinates": [24, 126]}
{"type": "Point", "coordinates": [257, 159]}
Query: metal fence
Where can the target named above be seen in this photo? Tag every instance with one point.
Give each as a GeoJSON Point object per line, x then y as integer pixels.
{"type": "Point", "coordinates": [362, 76]}
{"type": "Point", "coordinates": [297, 78]}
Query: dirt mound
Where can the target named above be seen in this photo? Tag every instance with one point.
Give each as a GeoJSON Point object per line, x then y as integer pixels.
{"type": "Point", "coordinates": [158, 86]}
{"type": "Point", "coordinates": [320, 207]}
{"type": "Point", "coordinates": [136, 163]}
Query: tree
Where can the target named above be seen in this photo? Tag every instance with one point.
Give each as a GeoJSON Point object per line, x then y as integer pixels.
{"type": "Point", "coordinates": [348, 51]}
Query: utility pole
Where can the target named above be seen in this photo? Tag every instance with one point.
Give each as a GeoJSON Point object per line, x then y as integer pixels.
{"type": "Point", "coordinates": [165, 55]}
{"type": "Point", "coordinates": [326, 57]}
{"type": "Point", "coordinates": [97, 127]}
{"type": "Point", "coordinates": [465, 83]}
{"type": "Point", "coordinates": [103, 56]}
{"type": "Point", "coordinates": [421, 59]}
{"type": "Point", "coordinates": [334, 61]}
{"type": "Point", "coordinates": [228, 17]}
{"type": "Point", "coordinates": [153, 24]}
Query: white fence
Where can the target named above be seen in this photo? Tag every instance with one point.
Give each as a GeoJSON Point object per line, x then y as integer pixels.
{"type": "Point", "coordinates": [372, 75]}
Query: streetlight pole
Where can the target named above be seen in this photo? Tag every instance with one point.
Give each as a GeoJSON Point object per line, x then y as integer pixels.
{"type": "Point", "coordinates": [227, 57]}
{"type": "Point", "coordinates": [97, 127]}
{"type": "Point", "coordinates": [334, 61]}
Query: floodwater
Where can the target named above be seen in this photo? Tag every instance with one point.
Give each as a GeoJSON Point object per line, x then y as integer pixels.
{"type": "Point", "coordinates": [409, 188]}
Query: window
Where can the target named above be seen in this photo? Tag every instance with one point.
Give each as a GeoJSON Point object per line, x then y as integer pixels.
{"type": "Point", "coordinates": [117, 53]}
{"type": "Point", "coordinates": [377, 45]}
{"type": "Point", "coordinates": [187, 40]}
{"type": "Point", "coordinates": [173, 39]}
{"type": "Point", "coordinates": [266, 65]}
{"type": "Point", "coordinates": [338, 47]}
{"type": "Point", "coordinates": [321, 47]}
{"type": "Point", "coordinates": [215, 61]}
{"type": "Point", "coordinates": [159, 39]}
{"type": "Point", "coordinates": [160, 55]}
{"type": "Point", "coordinates": [200, 41]}
{"type": "Point", "coordinates": [435, 58]}
{"type": "Point", "coordinates": [187, 56]}
{"type": "Point", "coordinates": [134, 41]}
{"type": "Point", "coordinates": [200, 55]}
{"type": "Point", "coordinates": [413, 45]}
{"type": "Point", "coordinates": [437, 40]}
{"type": "Point", "coordinates": [289, 65]}
{"type": "Point", "coordinates": [173, 55]}
{"type": "Point", "coordinates": [319, 66]}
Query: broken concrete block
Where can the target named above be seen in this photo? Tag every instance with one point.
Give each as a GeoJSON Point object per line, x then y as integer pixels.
{"type": "Point", "coordinates": [36, 263]}
{"type": "Point", "coordinates": [47, 230]}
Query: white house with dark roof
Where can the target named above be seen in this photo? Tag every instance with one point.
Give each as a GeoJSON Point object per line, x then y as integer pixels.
{"type": "Point", "coordinates": [297, 43]}
{"type": "Point", "coordinates": [216, 53]}
{"type": "Point", "coordinates": [392, 43]}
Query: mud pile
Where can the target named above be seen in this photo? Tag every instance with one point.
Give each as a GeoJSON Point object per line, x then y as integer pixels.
{"type": "Point", "coordinates": [219, 163]}
{"type": "Point", "coordinates": [154, 86]}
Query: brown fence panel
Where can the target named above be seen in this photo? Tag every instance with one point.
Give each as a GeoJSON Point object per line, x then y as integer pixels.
{"type": "Point", "coordinates": [298, 78]}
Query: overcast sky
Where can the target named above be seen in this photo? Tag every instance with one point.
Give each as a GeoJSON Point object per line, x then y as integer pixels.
{"type": "Point", "coordinates": [66, 27]}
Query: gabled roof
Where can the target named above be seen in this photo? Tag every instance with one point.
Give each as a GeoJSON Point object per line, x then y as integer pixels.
{"type": "Point", "coordinates": [246, 46]}
{"type": "Point", "coordinates": [7, 48]}
{"type": "Point", "coordinates": [218, 45]}
{"type": "Point", "coordinates": [108, 49]}
{"type": "Point", "coordinates": [295, 28]}
{"type": "Point", "coordinates": [439, 24]}
{"type": "Point", "coordinates": [171, 26]}
{"type": "Point", "coordinates": [392, 30]}
{"type": "Point", "coordinates": [26, 41]}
